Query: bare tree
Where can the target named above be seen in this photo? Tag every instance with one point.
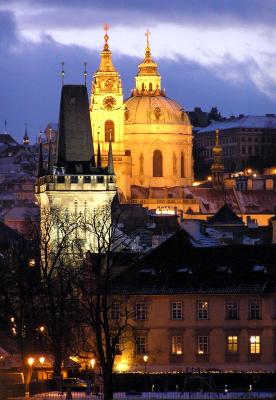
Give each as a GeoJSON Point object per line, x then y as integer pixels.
{"type": "Point", "coordinates": [56, 237]}
{"type": "Point", "coordinates": [105, 315]}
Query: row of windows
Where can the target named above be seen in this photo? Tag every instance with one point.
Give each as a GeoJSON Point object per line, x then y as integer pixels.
{"type": "Point", "coordinates": [202, 345]}
{"type": "Point", "coordinates": [202, 310]}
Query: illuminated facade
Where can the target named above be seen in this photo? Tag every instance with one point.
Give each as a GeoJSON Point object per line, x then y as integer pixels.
{"type": "Point", "coordinates": [151, 133]}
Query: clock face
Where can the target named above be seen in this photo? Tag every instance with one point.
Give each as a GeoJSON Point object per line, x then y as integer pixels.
{"type": "Point", "coordinates": [108, 83]}
{"type": "Point", "coordinates": [109, 102]}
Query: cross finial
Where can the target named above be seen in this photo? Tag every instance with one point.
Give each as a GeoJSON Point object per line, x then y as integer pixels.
{"type": "Point", "coordinates": [147, 34]}
{"type": "Point", "coordinates": [106, 37]}
{"type": "Point", "coordinates": [106, 28]}
{"type": "Point", "coordinates": [62, 73]}
{"type": "Point", "coordinates": [85, 73]}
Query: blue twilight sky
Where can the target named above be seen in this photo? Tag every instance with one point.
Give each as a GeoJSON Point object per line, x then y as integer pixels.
{"type": "Point", "coordinates": [210, 52]}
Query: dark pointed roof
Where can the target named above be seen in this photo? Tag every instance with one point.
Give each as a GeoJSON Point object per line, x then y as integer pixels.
{"type": "Point", "coordinates": [225, 216]}
{"type": "Point", "coordinates": [75, 146]}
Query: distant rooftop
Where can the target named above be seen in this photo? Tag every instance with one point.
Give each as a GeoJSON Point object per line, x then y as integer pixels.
{"type": "Point", "coordinates": [248, 122]}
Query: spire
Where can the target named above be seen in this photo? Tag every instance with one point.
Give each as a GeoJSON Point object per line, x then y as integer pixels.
{"type": "Point", "coordinates": [106, 64]}
{"type": "Point", "coordinates": [148, 79]}
{"type": "Point", "coordinates": [148, 66]}
{"type": "Point", "coordinates": [26, 140]}
{"type": "Point", "coordinates": [5, 123]}
{"type": "Point", "coordinates": [85, 73]}
{"type": "Point", "coordinates": [62, 73]}
{"type": "Point", "coordinates": [99, 159]}
{"type": "Point", "coordinates": [217, 167]}
{"type": "Point", "coordinates": [110, 165]}
{"type": "Point", "coordinates": [40, 169]}
{"type": "Point", "coordinates": [49, 170]}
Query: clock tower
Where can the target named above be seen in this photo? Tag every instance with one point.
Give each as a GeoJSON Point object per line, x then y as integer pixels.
{"type": "Point", "coordinates": [107, 115]}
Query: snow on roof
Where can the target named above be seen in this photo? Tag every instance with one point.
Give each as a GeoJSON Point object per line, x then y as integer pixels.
{"type": "Point", "coordinates": [248, 122]}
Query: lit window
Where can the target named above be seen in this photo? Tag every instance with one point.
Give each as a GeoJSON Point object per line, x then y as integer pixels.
{"type": "Point", "coordinates": [141, 311]}
{"type": "Point", "coordinates": [176, 310]}
{"type": "Point", "coordinates": [202, 345]}
{"type": "Point", "coordinates": [232, 310]}
{"type": "Point", "coordinates": [255, 309]}
{"type": "Point", "coordinates": [202, 310]}
{"type": "Point", "coordinates": [255, 345]}
{"type": "Point", "coordinates": [176, 344]}
{"type": "Point", "coordinates": [140, 344]}
{"type": "Point", "coordinates": [232, 344]}
{"type": "Point", "coordinates": [115, 311]}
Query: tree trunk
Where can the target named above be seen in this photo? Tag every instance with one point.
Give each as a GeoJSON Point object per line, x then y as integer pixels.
{"type": "Point", "coordinates": [108, 384]}
{"type": "Point", "coordinates": [57, 360]}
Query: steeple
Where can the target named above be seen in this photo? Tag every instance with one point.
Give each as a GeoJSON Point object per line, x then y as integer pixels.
{"type": "Point", "coordinates": [40, 169]}
{"type": "Point", "coordinates": [148, 79]}
{"type": "Point", "coordinates": [106, 64]}
{"type": "Point", "coordinates": [99, 159]}
{"type": "Point", "coordinates": [49, 169]}
{"type": "Point", "coordinates": [110, 165]}
{"type": "Point", "coordinates": [26, 140]}
{"type": "Point", "coordinates": [217, 167]}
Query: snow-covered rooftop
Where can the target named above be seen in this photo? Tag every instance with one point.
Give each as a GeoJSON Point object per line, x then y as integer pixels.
{"type": "Point", "coordinates": [247, 122]}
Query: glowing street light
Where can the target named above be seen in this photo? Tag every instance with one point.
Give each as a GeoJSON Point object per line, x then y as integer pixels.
{"type": "Point", "coordinates": [30, 361]}
{"type": "Point", "coordinates": [92, 363]}
{"type": "Point", "coordinates": [145, 358]}
{"type": "Point", "coordinates": [42, 360]}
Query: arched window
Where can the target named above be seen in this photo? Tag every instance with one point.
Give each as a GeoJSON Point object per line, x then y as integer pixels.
{"type": "Point", "coordinates": [157, 163]}
{"type": "Point", "coordinates": [143, 86]}
{"type": "Point", "coordinates": [109, 131]}
{"type": "Point", "coordinates": [182, 168]}
{"type": "Point", "coordinates": [150, 86]}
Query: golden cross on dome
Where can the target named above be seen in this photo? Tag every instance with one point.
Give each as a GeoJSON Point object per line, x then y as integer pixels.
{"type": "Point", "coordinates": [106, 28]}
{"type": "Point", "coordinates": [147, 34]}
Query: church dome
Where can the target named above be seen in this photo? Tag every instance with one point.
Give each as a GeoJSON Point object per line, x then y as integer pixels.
{"type": "Point", "coordinates": [154, 110]}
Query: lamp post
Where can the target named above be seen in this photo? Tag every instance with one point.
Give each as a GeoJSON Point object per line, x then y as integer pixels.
{"type": "Point", "coordinates": [30, 362]}
{"type": "Point", "coordinates": [90, 383]}
{"type": "Point", "coordinates": [145, 358]}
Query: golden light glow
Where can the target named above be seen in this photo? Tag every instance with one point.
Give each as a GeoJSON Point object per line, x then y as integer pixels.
{"type": "Point", "coordinates": [92, 362]}
{"type": "Point", "coordinates": [209, 178]}
{"type": "Point", "coordinates": [41, 328]}
{"type": "Point", "coordinates": [179, 352]}
{"type": "Point", "coordinates": [254, 175]}
{"type": "Point", "coordinates": [12, 319]}
{"type": "Point", "coordinates": [145, 358]}
{"type": "Point", "coordinates": [42, 360]}
{"type": "Point", "coordinates": [30, 361]}
{"type": "Point", "coordinates": [200, 352]}
{"type": "Point", "coordinates": [274, 171]}
{"type": "Point", "coordinates": [249, 171]}
{"type": "Point", "coordinates": [32, 262]}
{"type": "Point", "coordinates": [122, 367]}
{"type": "Point", "coordinates": [252, 339]}
{"type": "Point", "coordinates": [196, 183]}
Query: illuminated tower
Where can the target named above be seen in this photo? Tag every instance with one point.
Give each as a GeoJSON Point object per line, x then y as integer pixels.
{"type": "Point", "coordinates": [72, 182]}
{"type": "Point", "coordinates": [217, 167]}
{"type": "Point", "coordinates": [107, 112]}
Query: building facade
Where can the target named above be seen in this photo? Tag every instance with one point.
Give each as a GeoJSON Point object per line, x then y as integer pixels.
{"type": "Point", "coordinates": [245, 141]}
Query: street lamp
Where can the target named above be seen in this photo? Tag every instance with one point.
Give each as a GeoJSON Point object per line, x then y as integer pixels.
{"type": "Point", "coordinates": [145, 358]}
{"type": "Point", "coordinates": [30, 362]}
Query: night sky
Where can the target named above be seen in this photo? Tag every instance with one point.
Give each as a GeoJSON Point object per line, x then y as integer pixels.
{"type": "Point", "coordinates": [210, 52]}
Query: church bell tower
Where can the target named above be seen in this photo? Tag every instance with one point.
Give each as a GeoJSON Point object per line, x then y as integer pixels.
{"type": "Point", "coordinates": [107, 113]}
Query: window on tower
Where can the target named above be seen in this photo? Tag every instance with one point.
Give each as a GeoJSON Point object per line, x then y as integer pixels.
{"type": "Point", "coordinates": [157, 163]}
{"type": "Point", "coordinates": [109, 131]}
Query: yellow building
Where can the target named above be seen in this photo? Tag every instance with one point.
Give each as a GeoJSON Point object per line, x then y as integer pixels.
{"type": "Point", "coordinates": [151, 133]}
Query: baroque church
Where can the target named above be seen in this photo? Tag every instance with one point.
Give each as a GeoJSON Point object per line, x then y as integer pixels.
{"type": "Point", "coordinates": [151, 134]}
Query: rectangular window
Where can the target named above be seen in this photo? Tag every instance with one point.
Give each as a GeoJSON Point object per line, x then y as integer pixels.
{"type": "Point", "coordinates": [115, 311]}
{"type": "Point", "coordinates": [202, 310]}
{"type": "Point", "coordinates": [232, 344]}
{"type": "Point", "coordinates": [202, 345]}
{"type": "Point", "coordinates": [141, 311]}
{"type": "Point", "coordinates": [255, 344]}
{"type": "Point", "coordinates": [140, 344]}
{"type": "Point", "coordinates": [176, 345]}
{"type": "Point", "coordinates": [232, 310]}
{"type": "Point", "coordinates": [176, 310]}
{"type": "Point", "coordinates": [255, 309]}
